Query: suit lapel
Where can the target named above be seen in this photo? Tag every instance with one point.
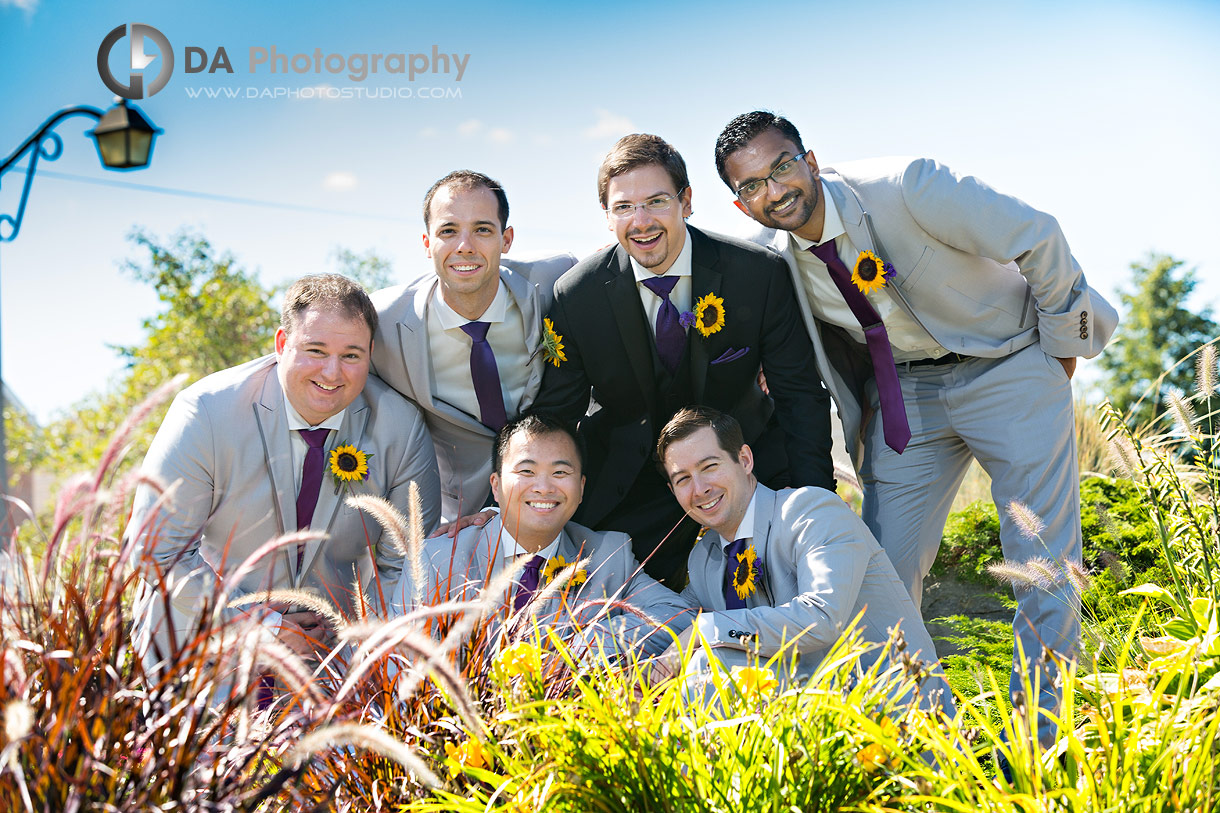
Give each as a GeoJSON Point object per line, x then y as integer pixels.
{"type": "Point", "coordinates": [705, 279]}
{"type": "Point", "coordinates": [525, 294]}
{"type": "Point", "coordinates": [277, 455]}
{"type": "Point", "coordinates": [628, 313]}
{"type": "Point", "coordinates": [764, 507]}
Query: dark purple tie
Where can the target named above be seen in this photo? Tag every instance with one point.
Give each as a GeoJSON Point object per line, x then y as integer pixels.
{"type": "Point", "coordinates": [311, 482]}
{"type": "Point", "coordinates": [893, 413]}
{"type": "Point", "coordinates": [671, 338]}
{"type": "Point", "coordinates": [486, 376]}
{"type": "Point", "coordinates": [529, 582]}
{"type": "Point", "coordinates": [735, 549]}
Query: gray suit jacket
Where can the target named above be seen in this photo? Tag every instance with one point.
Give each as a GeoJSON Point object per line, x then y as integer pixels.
{"type": "Point", "coordinates": [458, 569]}
{"type": "Point", "coordinates": [984, 273]}
{"type": "Point", "coordinates": [224, 445]}
{"type": "Point", "coordinates": [820, 567]}
{"type": "Point", "coordinates": [401, 358]}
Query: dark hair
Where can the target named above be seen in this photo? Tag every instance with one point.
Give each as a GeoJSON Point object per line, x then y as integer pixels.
{"type": "Point", "coordinates": [327, 292]}
{"type": "Point", "coordinates": [538, 423]}
{"type": "Point", "coordinates": [745, 128]}
{"type": "Point", "coordinates": [639, 150]}
{"type": "Point", "coordinates": [468, 179]}
{"type": "Point", "coordinates": [690, 420]}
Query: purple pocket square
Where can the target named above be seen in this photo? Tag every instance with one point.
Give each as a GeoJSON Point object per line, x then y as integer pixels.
{"type": "Point", "coordinates": [731, 355]}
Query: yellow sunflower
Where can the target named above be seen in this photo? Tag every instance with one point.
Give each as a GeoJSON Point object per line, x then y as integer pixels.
{"type": "Point", "coordinates": [709, 314]}
{"type": "Point", "coordinates": [557, 563]}
{"type": "Point", "coordinates": [869, 273]}
{"type": "Point", "coordinates": [552, 343]}
{"type": "Point", "coordinates": [743, 576]}
{"type": "Point", "coordinates": [348, 463]}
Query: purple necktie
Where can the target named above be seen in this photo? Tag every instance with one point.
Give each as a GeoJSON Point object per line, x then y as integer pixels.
{"type": "Point", "coordinates": [529, 581]}
{"type": "Point", "coordinates": [671, 338]}
{"type": "Point", "coordinates": [731, 601]}
{"type": "Point", "coordinates": [311, 482]}
{"type": "Point", "coordinates": [893, 413]}
{"type": "Point", "coordinates": [486, 377]}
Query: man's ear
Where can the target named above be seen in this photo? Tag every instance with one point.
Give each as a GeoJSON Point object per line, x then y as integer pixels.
{"type": "Point", "coordinates": [281, 338]}
{"type": "Point", "coordinates": [508, 240]}
{"type": "Point", "coordinates": [746, 458]}
{"type": "Point", "coordinates": [495, 488]}
{"type": "Point", "coordinates": [427, 246]}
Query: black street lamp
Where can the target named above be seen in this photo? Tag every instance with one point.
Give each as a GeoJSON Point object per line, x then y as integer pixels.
{"type": "Point", "coordinates": [124, 139]}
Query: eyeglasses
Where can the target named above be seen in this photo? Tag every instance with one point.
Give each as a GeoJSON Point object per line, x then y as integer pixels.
{"type": "Point", "coordinates": [781, 174]}
{"type": "Point", "coordinates": [661, 203]}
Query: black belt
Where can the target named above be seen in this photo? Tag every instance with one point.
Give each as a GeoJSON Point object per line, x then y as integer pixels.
{"type": "Point", "coordinates": [948, 358]}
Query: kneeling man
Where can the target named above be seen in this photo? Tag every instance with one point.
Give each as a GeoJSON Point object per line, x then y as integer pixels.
{"type": "Point", "coordinates": [538, 481]}
{"type": "Point", "coordinates": [274, 446]}
{"type": "Point", "coordinates": [780, 568]}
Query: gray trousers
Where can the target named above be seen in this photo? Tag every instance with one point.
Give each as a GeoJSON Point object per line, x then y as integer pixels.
{"type": "Point", "coordinates": [1015, 416]}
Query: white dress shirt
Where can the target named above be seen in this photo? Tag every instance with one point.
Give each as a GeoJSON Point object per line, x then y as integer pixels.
{"type": "Point", "coordinates": [681, 294]}
{"type": "Point", "coordinates": [908, 339]}
{"type": "Point", "coordinates": [449, 348]}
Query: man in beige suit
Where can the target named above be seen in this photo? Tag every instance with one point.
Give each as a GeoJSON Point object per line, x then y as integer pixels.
{"type": "Point", "coordinates": [271, 447]}
{"type": "Point", "coordinates": [466, 344]}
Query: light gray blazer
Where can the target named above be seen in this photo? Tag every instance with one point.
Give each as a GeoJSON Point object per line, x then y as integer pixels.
{"type": "Point", "coordinates": [224, 445]}
{"type": "Point", "coordinates": [984, 273]}
{"type": "Point", "coordinates": [458, 569]}
{"type": "Point", "coordinates": [820, 567]}
{"type": "Point", "coordinates": [401, 357]}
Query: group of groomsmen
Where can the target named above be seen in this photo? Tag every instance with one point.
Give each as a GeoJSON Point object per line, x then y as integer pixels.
{"type": "Point", "coordinates": [657, 414]}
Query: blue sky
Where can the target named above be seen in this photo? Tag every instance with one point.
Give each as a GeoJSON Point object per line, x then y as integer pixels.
{"type": "Point", "coordinates": [1103, 114]}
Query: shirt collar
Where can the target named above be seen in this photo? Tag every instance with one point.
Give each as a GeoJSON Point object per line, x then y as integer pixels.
{"type": "Point", "coordinates": [832, 225]}
{"type": "Point", "coordinates": [745, 530]}
{"type": "Point", "coordinates": [511, 549]}
{"type": "Point", "coordinates": [452, 320]}
{"type": "Point", "coordinates": [295, 421]}
{"type": "Point", "coordinates": [680, 268]}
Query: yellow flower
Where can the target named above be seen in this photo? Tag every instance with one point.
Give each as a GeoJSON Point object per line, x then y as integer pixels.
{"type": "Point", "coordinates": [709, 314]}
{"type": "Point", "coordinates": [520, 659]}
{"type": "Point", "coordinates": [469, 754]}
{"type": "Point", "coordinates": [349, 463]}
{"type": "Point", "coordinates": [870, 272]}
{"type": "Point", "coordinates": [743, 576]}
{"type": "Point", "coordinates": [557, 563]}
{"type": "Point", "coordinates": [873, 757]}
{"type": "Point", "coordinates": [755, 681]}
{"type": "Point", "coordinates": [552, 343]}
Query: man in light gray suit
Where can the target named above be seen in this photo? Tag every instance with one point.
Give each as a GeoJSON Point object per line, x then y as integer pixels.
{"type": "Point", "coordinates": [538, 482]}
{"type": "Point", "coordinates": [466, 345]}
{"type": "Point", "coordinates": [781, 570]}
{"type": "Point", "coordinates": [954, 337]}
{"type": "Point", "coordinates": [271, 447]}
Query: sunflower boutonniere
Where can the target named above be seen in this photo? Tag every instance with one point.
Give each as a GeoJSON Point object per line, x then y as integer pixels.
{"type": "Point", "coordinates": [557, 563]}
{"type": "Point", "coordinates": [349, 464]}
{"type": "Point", "coordinates": [870, 273]}
{"type": "Point", "coordinates": [745, 573]}
{"type": "Point", "coordinates": [708, 316]}
{"type": "Point", "coordinates": [552, 344]}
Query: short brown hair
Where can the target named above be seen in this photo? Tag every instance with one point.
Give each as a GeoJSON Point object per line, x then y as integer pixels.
{"type": "Point", "coordinates": [327, 292]}
{"type": "Point", "coordinates": [639, 150]}
{"type": "Point", "coordinates": [690, 420]}
{"type": "Point", "coordinates": [468, 179]}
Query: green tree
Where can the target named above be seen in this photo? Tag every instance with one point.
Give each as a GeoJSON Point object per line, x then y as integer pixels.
{"type": "Point", "coordinates": [1157, 330]}
{"type": "Point", "coordinates": [215, 315]}
{"type": "Point", "coordinates": [369, 269]}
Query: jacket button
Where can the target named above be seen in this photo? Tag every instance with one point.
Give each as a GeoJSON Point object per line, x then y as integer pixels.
{"type": "Point", "coordinates": [1084, 334]}
{"type": "Point", "coordinates": [1084, 314]}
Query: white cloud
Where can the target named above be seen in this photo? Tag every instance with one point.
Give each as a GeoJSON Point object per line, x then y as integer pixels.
{"type": "Point", "coordinates": [469, 128]}
{"type": "Point", "coordinates": [609, 125]}
{"type": "Point", "coordinates": [27, 6]}
{"type": "Point", "coordinates": [499, 135]}
{"type": "Point", "coordinates": [339, 181]}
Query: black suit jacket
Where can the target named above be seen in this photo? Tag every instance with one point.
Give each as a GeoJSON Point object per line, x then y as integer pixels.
{"type": "Point", "coordinates": [611, 354]}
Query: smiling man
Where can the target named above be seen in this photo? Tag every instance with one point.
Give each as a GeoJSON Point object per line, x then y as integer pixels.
{"type": "Point", "coordinates": [465, 344]}
{"type": "Point", "coordinates": [789, 568]}
{"type": "Point", "coordinates": [671, 316]}
{"type": "Point", "coordinates": [275, 446]}
{"type": "Point", "coordinates": [538, 482]}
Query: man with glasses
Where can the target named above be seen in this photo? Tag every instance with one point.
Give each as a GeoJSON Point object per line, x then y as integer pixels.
{"type": "Point", "coordinates": [668, 317]}
{"type": "Point", "coordinates": [947, 319]}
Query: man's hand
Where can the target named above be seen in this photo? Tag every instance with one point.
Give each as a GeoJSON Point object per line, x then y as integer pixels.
{"type": "Point", "coordinates": [305, 633]}
{"type": "Point", "coordinates": [450, 529]}
{"type": "Point", "coordinates": [1069, 365]}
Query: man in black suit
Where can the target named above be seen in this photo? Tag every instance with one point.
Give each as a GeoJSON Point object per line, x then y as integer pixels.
{"type": "Point", "coordinates": [673, 316]}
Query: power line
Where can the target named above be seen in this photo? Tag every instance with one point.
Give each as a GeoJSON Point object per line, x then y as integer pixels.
{"type": "Point", "coordinates": [187, 193]}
